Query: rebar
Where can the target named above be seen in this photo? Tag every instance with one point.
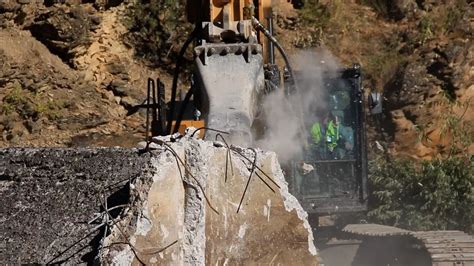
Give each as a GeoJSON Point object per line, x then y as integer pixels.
{"type": "Point", "coordinates": [208, 128]}
{"type": "Point", "coordinates": [227, 157]}
{"type": "Point", "coordinates": [115, 223]}
{"type": "Point", "coordinates": [248, 180]}
{"type": "Point", "coordinates": [234, 149]}
{"type": "Point", "coordinates": [192, 176]}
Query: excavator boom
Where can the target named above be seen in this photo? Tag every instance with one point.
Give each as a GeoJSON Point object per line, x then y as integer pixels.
{"type": "Point", "coordinates": [229, 64]}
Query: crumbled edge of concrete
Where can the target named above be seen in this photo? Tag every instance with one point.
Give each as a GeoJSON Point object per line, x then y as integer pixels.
{"type": "Point", "coordinates": [133, 219]}
{"type": "Point", "coordinates": [194, 245]}
{"type": "Point", "coordinates": [123, 257]}
{"type": "Point", "coordinates": [291, 203]}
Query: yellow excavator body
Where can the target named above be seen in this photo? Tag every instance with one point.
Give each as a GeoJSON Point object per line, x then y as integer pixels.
{"type": "Point", "coordinates": [198, 124]}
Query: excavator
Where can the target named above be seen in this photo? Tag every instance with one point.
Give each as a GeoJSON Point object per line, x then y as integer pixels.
{"type": "Point", "coordinates": [234, 70]}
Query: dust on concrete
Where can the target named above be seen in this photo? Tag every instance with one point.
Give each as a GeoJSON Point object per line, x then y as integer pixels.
{"type": "Point", "coordinates": [50, 195]}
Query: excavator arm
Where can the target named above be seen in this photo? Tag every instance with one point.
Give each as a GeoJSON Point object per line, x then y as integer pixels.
{"type": "Point", "coordinates": [230, 56]}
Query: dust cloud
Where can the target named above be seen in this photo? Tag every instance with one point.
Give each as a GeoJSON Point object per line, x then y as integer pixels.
{"type": "Point", "coordinates": [288, 117]}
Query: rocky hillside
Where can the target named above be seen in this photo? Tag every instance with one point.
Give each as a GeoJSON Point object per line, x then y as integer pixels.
{"type": "Point", "coordinates": [71, 70]}
{"type": "Point", "coordinates": [67, 76]}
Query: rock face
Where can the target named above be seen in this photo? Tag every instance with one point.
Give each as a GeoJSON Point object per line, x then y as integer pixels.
{"type": "Point", "coordinates": [434, 85]}
{"type": "Point", "coordinates": [420, 107]}
{"type": "Point", "coordinates": [204, 223]}
{"type": "Point", "coordinates": [62, 30]}
{"type": "Point", "coordinates": [40, 94]}
{"type": "Point", "coordinates": [66, 76]}
{"type": "Point", "coordinates": [50, 195]}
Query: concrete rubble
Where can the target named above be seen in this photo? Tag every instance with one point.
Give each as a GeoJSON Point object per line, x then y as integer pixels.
{"type": "Point", "coordinates": [126, 207]}
{"type": "Point", "coordinates": [187, 215]}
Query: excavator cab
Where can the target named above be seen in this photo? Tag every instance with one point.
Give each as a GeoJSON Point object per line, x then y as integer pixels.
{"type": "Point", "coordinates": [331, 176]}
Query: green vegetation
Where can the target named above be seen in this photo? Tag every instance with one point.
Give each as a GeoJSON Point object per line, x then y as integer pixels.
{"type": "Point", "coordinates": [313, 19]}
{"type": "Point", "coordinates": [430, 195]}
{"type": "Point", "coordinates": [157, 28]}
{"type": "Point", "coordinates": [442, 20]}
{"type": "Point", "coordinates": [454, 15]}
{"type": "Point", "coordinates": [31, 105]}
{"type": "Point", "coordinates": [350, 34]}
{"type": "Point", "coordinates": [315, 14]}
{"type": "Point", "coordinates": [384, 62]}
{"type": "Point", "coordinates": [459, 130]}
{"type": "Point", "coordinates": [426, 29]}
{"type": "Point", "coordinates": [16, 100]}
{"type": "Point", "coordinates": [51, 108]}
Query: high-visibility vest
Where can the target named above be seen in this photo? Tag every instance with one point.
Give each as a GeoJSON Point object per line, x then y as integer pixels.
{"type": "Point", "coordinates": [331, 136]}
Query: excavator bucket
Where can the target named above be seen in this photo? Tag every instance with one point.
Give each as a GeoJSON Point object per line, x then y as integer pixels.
{"type": "Point", "coordinates": [230, 77]}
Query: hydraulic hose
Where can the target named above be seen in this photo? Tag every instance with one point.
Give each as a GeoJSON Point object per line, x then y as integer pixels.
{"type": "Point", "coordinates": [184, 104]}
{"type": "Point", "coordinates": [259, 27]}
{"type": "Point", "coordinates": [174, 87]}
{"type": "Point", "coordinates": [300, 113]}
{"type": "Point", "coordinates": [195, 33]}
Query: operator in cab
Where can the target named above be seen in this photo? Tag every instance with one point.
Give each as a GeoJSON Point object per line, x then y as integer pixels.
{"type": "Point", "coordinates": [330, 139]}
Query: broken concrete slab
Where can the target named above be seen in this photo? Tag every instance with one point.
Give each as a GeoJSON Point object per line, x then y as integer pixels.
{"type": "Point", "coordinates": [270, 227]}
{"type": "Point", "coordinates": [154, 221]}
{"type": "Point", "coordinates": [50, 195]}
{"type": "Point", "coordinates": [172, 205]}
